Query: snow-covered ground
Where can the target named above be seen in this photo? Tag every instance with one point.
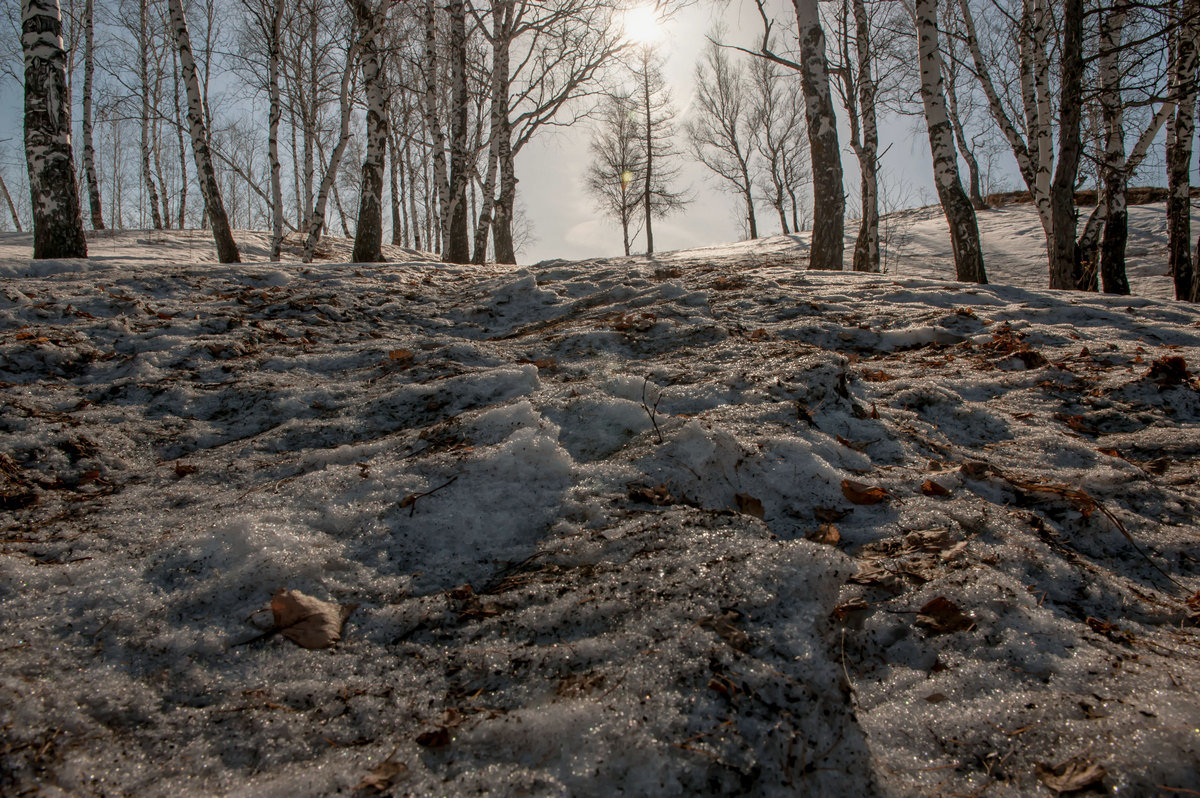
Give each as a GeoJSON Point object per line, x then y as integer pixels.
{"type": "Point", "coordinates": [728, 526]}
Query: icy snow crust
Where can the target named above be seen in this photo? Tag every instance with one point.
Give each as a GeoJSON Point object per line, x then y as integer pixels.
{"type": "Point", "coordinates": [181, 439]}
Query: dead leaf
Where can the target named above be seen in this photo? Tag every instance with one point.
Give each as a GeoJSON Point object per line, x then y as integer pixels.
{"type": "Point", "coordinates": [1071, 776]}
{"type": "Point", "coordinates": [309, 622]}
{"type": "Point", "coordinates": [935, 698]}
{"type": "Point", "coordinates": [931, 488]}
{"type": "Point", "coordinates": [844, 610]}
{"type": "Point", "coordinates": [183, 469]}
{"type": "Point", "coordinates": [401, 355]}
{"type": "Point", "coordinates": [943, 615]}
{"type": "Point", "coordinates": [857, 446]}
{"type": "Point", "coordinates": [827, 534]}
{"type": "Point", "coordinates": [859, 493]}
{"type": "Point", "coordinates": [659, 496]}
{"type": "Point", "coordinates": [1077, 424]}
{"type": "Point", "coordinates": [1169, 371]}
{"type": "Point", "coordinates": [434, 738]}
{"type": "Point", "coordinates": [749, 505]}
{"type": "Point", "coordinates": [876, 376]}
{"type": "Point", "coordinates": [383, 776]}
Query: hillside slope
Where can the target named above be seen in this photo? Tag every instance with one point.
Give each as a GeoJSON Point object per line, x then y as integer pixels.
{"type": "Point", "coordinates": [727, 526]}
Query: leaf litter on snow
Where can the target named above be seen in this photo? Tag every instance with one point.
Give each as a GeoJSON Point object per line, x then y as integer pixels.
{"type": "Point", "coordinates": [651, 526]}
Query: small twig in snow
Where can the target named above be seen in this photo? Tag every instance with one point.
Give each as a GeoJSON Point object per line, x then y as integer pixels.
{"type": "Point", "coordinates": [410, 500]}
{"type": "Point", "coordinates": [652, 411]}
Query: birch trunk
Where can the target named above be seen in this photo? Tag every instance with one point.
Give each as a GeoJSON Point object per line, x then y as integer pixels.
{"type": "Point", "coordinates": [866, 246]}
{"type": "Point", "coordinates": [458, 245]}
{"type": "Point", "coordinates": [316, 218]}
{"type": "Point", "coordinates": [89, 151]}
{"type": "Point", "coordinates": [1116, 223]}
{"type": "Point", "coordinates": [396, 200]}
{"type": "Point", "coordinates": [273, 117]}
{"type": "Point", "coordinates": [12, 209]}
{"type": "Point", "coordinates": [1179, 156]}
{"type": "Point", "coordinates": [368, 233]}
{"type": "Point", "coordinates": [144, 74]}
{"type": "Point", "coordinates": [829, 199]}
{"type": "Point", "coordinates": [960, 215]}
{"type": "Point", "coordinates": [502, 223]}
{"type": "Point", "coordinates": [54, 195]}
{"type": "Point", "coordinates": [648, 182]}
{"type": "Point", "coordinates": [227, 251]}
{"type": "Point", "coordinates": [1064, 263]}
{"type": "Point", "coordinates": [433, 123]}
{"type": "Point", "coordinates": [1042, 130]}
{"type": "Point", "coordinates": [180, 113]}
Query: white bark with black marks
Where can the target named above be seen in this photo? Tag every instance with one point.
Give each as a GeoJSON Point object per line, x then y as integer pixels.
{"type": "Point", "coordinates": [89, 150]}
{"type": "Point", "coordinates": [214, 207]}
{"type": "Point", "coordinates": [829, 198]}
{"type": "Point", "coordinates": [368, 234]}
{"type": "Point", "coordinates": [960, 214]}
{"type": "Point", "coordinates": [1180, 137]}
{"type": "Point", "coordinates": [54, 195]}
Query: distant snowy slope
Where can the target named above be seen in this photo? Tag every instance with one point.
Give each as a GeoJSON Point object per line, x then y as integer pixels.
{"type": "Point", "coordinates": [702, 524]}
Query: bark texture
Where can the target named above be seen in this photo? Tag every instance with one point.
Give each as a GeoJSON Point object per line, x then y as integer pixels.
{"type": "Point", "coordinates": [829, 199]}
{"type": "Point", "coordinates": [1179, 155]}
{"type": "Point", "coordinates": [960, 214]}
{"type": "Point", "coordinates": [1064, 263]}
{"type": "Point", "coordinates": [458, 245]}
{"type": "Point", "coordinates": [214, 207]}
{"type": "Point", "coordinates": [368, 234]}
{"type": "Point", "coordinates": [54, 195]}
{"type": "Point", "coordinates": [89, 151]}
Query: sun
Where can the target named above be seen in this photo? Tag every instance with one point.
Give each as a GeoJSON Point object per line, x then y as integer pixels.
{"type": "Point", "coordinates": [642, 25]}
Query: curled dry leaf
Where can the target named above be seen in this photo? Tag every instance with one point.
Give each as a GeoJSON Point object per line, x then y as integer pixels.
{"type": "Point", "coordinates": [943, 615]}
{"type": "Point", "coordinates": [1071, 776]}
{"type": "Point", "coordinates": [434, 738]}
{"type": "Point", "coordinates": [827, 534]}
{"type": "Point", "coordinates": [859, 493]}
{"type": "Point", "coordinates": [724, 626]}
{"type": "Point", "coordinates": [659, 496]}
{"type": "Point", "coordinates": [749, 505]}
{"type": "Point", "coordinates": [931, 488]}
{"type": "Point", "coordinates": [383, 776]}
{"type": "Point", "coordinates": [309, 622]}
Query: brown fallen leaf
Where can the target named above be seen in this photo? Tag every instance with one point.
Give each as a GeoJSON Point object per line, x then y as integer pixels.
{"type": "Point", "coordinates": [434, 738]}
{"type": "Point", "coordinates": [1169, 371]}
{"type": "Point", "coordinates": [829, 515]}
{"type": "Point", "coordinates": [859, 493]}
{"type": "Point", "coordinates": [309, 622]}
{"type": "Point", "coordinates": [724, 626]}
{"type": "Point", "coordinates": [935, 698]}
{"type": "Point", "coordinates": [401, 355]}
{"type": "Point", "coordinates": [858, 446]}
{"type": "Point", "coordinates": [383, 776]}
{"type": "Point", "coordinates": [844, 610]}
{"type": "Point", "coordinates": [749, 505]}
{"type": "Point", "coordinates": [876, 376]}
{"type": "Point", "coordinates": [931, 488]}
{"type": "Point", "coordinates": [943, 615]}
{"type": "Point", "coordinates": [1071, 776]}
{"type": "Point", "coordinates": [827, 534]}
{"type": "Point", "coordinates": [659, 496]}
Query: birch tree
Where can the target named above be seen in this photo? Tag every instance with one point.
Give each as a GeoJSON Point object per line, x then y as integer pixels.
{"type": "Point", "coordinates": [457, 246]}
{"type": "Point", "coordinates": [54, 195]}
{"type": "Point", "coordinates": [1180, 134]}
{"type": "Point", "coordinates": [960, 215]}
{"type": "Point", "coordinates": [227, 251]}
{"type": "Point", "coordinates": [89, 150]}
{"type": "Point", "coordinates": [369, 22]}
{"type": "Point", "coordinates": [829, 199]}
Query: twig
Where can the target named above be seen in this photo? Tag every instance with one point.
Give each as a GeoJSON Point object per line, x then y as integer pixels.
{"type": "Point", "coordinates": [410, 500]}
{"type": "Point", "coordinates": [652, 411]}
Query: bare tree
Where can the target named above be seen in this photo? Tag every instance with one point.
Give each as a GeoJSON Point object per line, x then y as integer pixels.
{"type": "Point", "coordinates": [656, 133]}
{"type": "Point", "coordinates": [54, 195]}
{"type": "Point", "coordinates": [369, 21]}
{"type": "Point", "coordinates": [227, 251]}
{"type": "Point", "coordinates": [457, 246]}
{"type": "Point", "coordinates": [89, 151]}
{"type": "Point", "coordinates": [616, 162]}
{"type": "Point", "coordinates": [960, 215]}
{"type": "Point", "coordinates": [721, 131]}
{"type": "Point", "coordinates": [778, 115]}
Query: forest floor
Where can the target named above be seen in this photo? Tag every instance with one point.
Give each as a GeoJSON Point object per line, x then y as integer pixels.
{"type": "Point", "coordinates": [703, 523]}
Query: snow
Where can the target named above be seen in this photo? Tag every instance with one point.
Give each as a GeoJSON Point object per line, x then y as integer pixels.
{"type": "Point", "coordinates": [624, 460]}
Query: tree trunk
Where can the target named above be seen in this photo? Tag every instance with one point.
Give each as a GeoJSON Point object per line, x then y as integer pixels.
{"type": "Point", "coordinates": [144, 73]}
{"type": "Point", "coordinates": [368, 234]}
{"type": "Point", "coordinates": [180, 110]}
{"type": "Point", "coordinates": [1179, 156]}
{"type": "Point", "coordinates": [1064, 265]}
{"type": "Point", "coordinates": [227, 251]}
{"type": "Point", "coordinates": [866, 246]}
{"type": "Point", "coordinates": [273, 117]}
{"type": "Point", "coordinates": [458, 244]}
{"type": "Point", "coordinates": [1116, 223]}
{"type": "Point", "coordinates": [648, 144]}
{"type": "Point", "coordinates": [960, 215]}
{"type": "Point", "coordinates": [316, 219]}
{"type": "Point", "coordinates": [12, 209]}
{"type": "Point", "coordinates": [397, 201]}
{"type": "Point", "coordinates": [54, 194]}
{"type": "Point", "coordinates": [433, 123]}
{"type": "Point", "coordinates": [829, 199]}
{"type": "Point", "coordinates": [89, 151]}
